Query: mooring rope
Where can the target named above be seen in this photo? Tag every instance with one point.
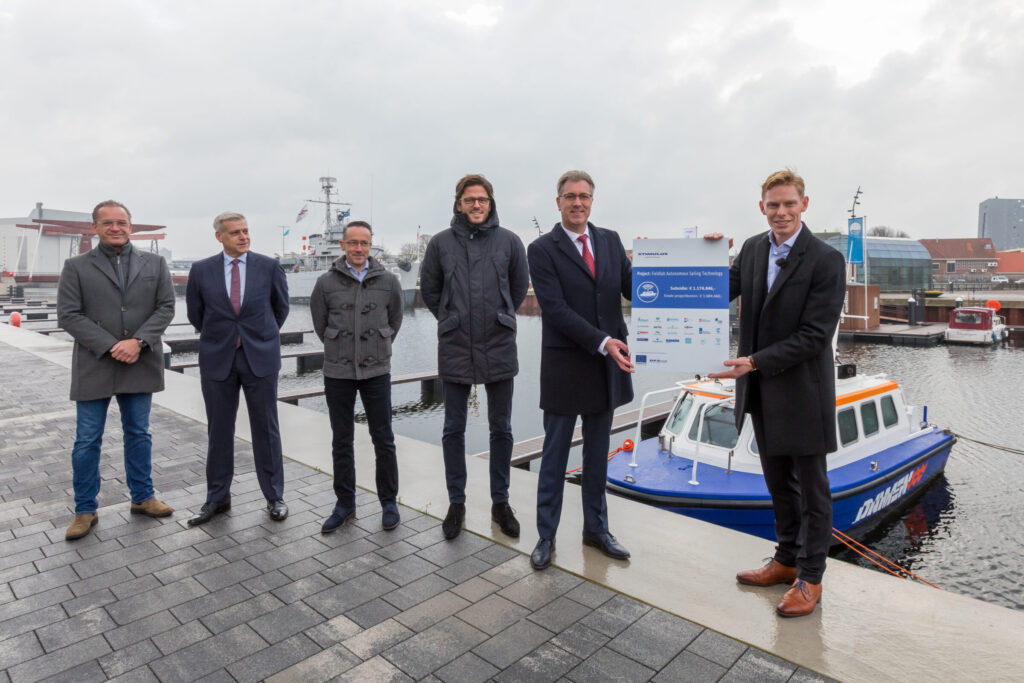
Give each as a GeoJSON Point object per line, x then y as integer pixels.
{"type": "Point", "coordinates": [1008, 449]}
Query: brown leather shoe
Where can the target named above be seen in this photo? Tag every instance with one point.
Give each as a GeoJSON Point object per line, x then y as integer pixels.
{"type": "Point", "coordinates": [800, 600]}
{"type": "Point", "coordinates": [768, 575]}
{"type": "Point", "coordinates": [152, 508]}
{"type": "Point", "coordinates": [81, 525]}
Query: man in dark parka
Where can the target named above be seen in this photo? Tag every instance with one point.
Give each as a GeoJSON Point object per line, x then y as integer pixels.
{"type": "Point", "coordinates": [473, 278]}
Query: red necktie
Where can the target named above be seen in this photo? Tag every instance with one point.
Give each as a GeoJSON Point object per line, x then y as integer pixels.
{"type": "Point", "coordinates": [236, 294]}
{"type": "Point", "coordinates": [588, 258]}
{"type": "Point", "coordinates": [236, 287]}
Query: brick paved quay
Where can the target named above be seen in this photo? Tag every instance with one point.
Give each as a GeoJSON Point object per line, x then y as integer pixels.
{"type": "Point", "coordinates": [245, 599]}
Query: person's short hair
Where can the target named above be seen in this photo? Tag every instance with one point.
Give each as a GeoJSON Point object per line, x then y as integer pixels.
{"type": "Point", "coordinates": [468, 181]}
{"type": "Point", "coordinates": [572, 177]}
{"type": "Point", "coordinates": [356, 224]}
{"type": "Point", "coordinates": [783, 177]}
{"type": "Point", "coordinates": [221, 219]}
{"type": "Point", "coordinates": [108, 203]}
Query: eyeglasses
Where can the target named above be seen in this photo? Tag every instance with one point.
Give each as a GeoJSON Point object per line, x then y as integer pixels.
{"type": "Point", "coordinates": [470, 201]}
{"type": "Point", "coordinates": [572, 196]}
{"type": "Point", "coordinates": [354, 244]}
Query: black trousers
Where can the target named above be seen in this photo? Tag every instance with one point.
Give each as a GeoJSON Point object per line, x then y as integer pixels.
{"type": "Point", "coordinates": [802, 500]}
{"type": "Point", "coordinates": [453, 438]}
{"type": "Point", "coordinates": [558, 431]}
{"type": "Point", "coordinates": [221, 410]}
{"type": "Point", "coordinates": [375, 394]}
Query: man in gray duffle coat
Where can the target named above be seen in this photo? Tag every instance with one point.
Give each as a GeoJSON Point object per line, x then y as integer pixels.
{"type": "Point", "coordinates": [357, 311]}
{"type": "Point", "coordinates": [116, 302]}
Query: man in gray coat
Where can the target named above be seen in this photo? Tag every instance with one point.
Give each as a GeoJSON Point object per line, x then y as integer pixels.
{"type": "Point", "coordinates": [356, 308]}
{"type": "Point", "coordinates": [473, 278]}
{"type": "Point", "coordinates": [115, 302]}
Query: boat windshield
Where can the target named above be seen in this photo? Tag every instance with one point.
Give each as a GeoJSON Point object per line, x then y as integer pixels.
{"type": "Point", "coordinates": [677, 420]}
{"type": "Point", "coordinates": [719, 427]}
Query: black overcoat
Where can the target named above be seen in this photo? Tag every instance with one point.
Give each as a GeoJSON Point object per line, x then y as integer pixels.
{"type": "Point", "coordinates": [578, 311]}
{"type": "Point", "coordinates": [788, 331]}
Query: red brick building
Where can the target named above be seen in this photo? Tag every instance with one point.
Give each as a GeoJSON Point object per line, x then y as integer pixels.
{"type": "Point", "coordinates": [968, 259]}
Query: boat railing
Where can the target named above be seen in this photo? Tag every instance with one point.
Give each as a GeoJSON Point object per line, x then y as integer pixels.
{"type": "Point", "coordinates": [701, 412]}
{"type": "Point", "coordinates": [640, 416]}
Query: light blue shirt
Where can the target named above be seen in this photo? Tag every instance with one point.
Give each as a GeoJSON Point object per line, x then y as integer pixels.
{"type": "Point", "coordinates": [358, 274]}
{"type": "Point", "coordinates": [778, 252]}
{"type": "Point", "coordinates": [241, 275]}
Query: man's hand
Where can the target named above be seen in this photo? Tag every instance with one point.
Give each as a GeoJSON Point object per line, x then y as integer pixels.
{"type": "Point", "coordinates": [619, 353]}
{"type": "Point", "coordinates": [714, 237]}
{"type": "Point", "coordinates": [738, 368]}
{"type": "Point", "coordinates": [126, 350]}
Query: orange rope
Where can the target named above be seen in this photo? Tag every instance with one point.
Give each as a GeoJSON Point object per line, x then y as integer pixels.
{"type": "Point", "coordinates": [610, 456]}
{"type": "Point", "coordinates": [849, 543]}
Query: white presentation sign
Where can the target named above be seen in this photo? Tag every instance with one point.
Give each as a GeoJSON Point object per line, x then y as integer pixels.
{"type": "Point", "coordinates": [680, 316]}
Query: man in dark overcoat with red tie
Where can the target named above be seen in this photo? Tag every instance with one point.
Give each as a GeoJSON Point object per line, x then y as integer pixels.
{"type": "Point", "coordinates": [580, 273]}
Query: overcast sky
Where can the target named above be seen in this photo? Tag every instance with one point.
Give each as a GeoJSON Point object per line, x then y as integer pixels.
{"type": "Point", "coordinates": [678, 109]}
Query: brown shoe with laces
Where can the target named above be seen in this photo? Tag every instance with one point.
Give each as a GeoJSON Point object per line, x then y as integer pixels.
{"type": "Point", "coordinates": [800, 600]}
{"type": "Point", "coordinates": [152, 508]}
{"type": "Point", "coordinates": [768, 575]}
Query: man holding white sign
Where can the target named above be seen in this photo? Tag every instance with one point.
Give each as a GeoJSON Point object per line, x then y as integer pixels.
{"type": "Point", "coordinates": [791, 287]}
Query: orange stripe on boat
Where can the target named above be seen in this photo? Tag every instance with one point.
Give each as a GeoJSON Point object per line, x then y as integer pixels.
{"type": "Point", "coordinates": [865, 393]}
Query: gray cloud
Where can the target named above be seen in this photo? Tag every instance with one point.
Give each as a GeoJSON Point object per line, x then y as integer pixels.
{"type": "Point", "coordinates": [678, 110]}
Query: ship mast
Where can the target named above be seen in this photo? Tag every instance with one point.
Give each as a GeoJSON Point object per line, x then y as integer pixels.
{"type": "Point", "coordinates": [327, 186]}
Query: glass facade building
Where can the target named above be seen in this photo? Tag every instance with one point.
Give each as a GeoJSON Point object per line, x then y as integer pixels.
{"type": "Point", "coordinates": [895, 264]}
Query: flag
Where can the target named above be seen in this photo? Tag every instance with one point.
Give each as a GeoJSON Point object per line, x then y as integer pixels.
{"type": "Point", "coordinates": [345, 213]}
{"type": "Point", "coordinates": [285, 231]}
{"type": "Point", "coordinates": [302, 214]}
{"type": "Point", "coordinates": [855, 240]}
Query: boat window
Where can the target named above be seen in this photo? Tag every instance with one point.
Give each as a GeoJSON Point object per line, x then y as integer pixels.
{"type": "Point", "coordinates": [869, 417]}
{"type": "Point", "coordinates": [889, 415]}
{"type": "Point", "coordinates": [719, 427]}
{"type": "Point", "coordinates": [967, 318]}
{"type": "Point", "coordinates": [677, 419]}
{"type": "Point", "coordinates": [847, 426]}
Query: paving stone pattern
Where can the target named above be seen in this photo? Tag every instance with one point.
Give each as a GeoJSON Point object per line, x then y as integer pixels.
{"type": "Point", "coordinates": [246, 599]}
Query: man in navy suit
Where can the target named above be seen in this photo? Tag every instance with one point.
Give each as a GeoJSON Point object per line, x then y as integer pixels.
{"type": "Point", "coordinates": [238, 301]}
{"type": "Point", "coordinates": [580, 273]}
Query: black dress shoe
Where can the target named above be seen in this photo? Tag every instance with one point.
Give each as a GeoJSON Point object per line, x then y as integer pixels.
{"type": "Point", "coordinates": [452, 524]}
{"type": "Point", "coordinates": [277, 509]}
{"type": "Point", "coordinates": [207, 512]}
{"type": "Point", "coordinates": [607, 544]}
{"type": "Point", "coordinates": [504, 515]}
{"type": "Point", "coordinates": [541, 556]}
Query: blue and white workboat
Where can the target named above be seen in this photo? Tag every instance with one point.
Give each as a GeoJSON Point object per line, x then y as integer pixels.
{"type": "Point", "coordinates": [700, 466]}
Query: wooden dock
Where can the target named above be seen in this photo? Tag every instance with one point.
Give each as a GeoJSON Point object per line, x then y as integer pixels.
{"type": "Point", "coordinates": [428, 380]}
{"type": "Point", "coordinates": [898, 334]}
{"type": "Point", "coordinates": [525, 451]}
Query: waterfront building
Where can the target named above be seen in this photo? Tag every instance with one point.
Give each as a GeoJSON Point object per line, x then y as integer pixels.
{"type": "Point", "coordinates": [962, 260]}
{"type": "Point", "coordinates": [1002, 221]}
{"type": "Point", "coordinates": [33, 248]}
{"type": "Point", "coordinates": [895, 264]}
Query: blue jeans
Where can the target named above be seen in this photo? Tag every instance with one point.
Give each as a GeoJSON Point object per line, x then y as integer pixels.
{"type": "Point", "coordinates": [138, 446]}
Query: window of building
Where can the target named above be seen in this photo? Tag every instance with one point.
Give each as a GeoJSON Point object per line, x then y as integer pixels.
{"type": "Point", "coordinates": [950, 266]}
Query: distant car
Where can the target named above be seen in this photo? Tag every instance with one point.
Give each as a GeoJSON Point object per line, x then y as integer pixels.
{"type": "Point", "coordinates": [957, 279]}
{"type": "Point", "coordinates": [1019, 282]}
{"type": "Point", "coordinates": [1000, 278]}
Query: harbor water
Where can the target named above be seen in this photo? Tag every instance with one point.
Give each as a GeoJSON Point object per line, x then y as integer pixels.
{"type": "Point", "coordinates": [961, 533]}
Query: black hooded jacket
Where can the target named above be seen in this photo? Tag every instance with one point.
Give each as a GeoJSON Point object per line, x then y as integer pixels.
{"type": "Point", "coordinates": [473, 278]}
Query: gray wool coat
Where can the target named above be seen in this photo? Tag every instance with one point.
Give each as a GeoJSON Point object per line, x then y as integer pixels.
{"type": "Point", "coordinates": [92, 308]}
